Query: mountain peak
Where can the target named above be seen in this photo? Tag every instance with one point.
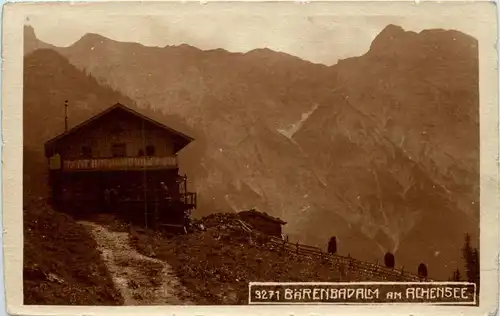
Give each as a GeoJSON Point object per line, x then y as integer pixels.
{"type": "Point", "coordinates": [391, 31]}
{"type": "Point", "coordinates": [267, 53]}
{"type": "Point", "coordinates": [394, 39]}
{"type": "Point", "coordinates": [386, 38]}
{"type": "Point", "coordinates": [183, 49]}
{"type": "Point", "coordinates": [274, 56]}
{"type": "Point", "coordinates": [263, 50]}
{"type": "Point", "coordinates": [31, 42]}
{"type": "Point", "coordinates": [91, 39]}
{"type": "Point", "coordinates": [184, 46]}
{"type": "Point", "coordinates": [29, 32]}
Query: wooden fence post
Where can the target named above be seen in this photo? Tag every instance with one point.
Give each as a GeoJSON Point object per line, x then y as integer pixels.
{"type": "Point", "coordinates": [297, 244]}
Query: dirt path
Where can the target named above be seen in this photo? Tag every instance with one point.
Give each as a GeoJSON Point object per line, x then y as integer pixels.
{"type": "Point", "coordinates": [141, 280]}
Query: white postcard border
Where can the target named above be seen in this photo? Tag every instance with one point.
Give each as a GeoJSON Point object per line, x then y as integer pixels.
{"type": "Point", "coordinates": [482, 13]}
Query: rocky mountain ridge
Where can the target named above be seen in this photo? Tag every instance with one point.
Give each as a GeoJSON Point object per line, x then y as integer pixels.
{"type": "Point", "coordinates": [380, 150]}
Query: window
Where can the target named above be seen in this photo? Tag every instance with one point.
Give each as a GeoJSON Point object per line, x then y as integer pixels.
{"type": "Point", "coordinates": [86, 152]}
{"type": "Point", "coordinates": [119, 150]}
{"type": "Point", "coordinates": [150, 150]}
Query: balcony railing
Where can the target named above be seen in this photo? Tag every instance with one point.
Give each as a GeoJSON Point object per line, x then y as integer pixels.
{"type": "Point", "coordinates": [189, 198]}
{"type": "Point", "coordinates": [122, 163]}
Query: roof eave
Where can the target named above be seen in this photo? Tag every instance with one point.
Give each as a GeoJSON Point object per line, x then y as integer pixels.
{"type": "Point", "coordinates": [186, 138]}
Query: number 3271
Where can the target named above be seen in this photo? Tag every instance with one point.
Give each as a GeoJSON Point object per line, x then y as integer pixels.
{"type": "Point", "coordinates": [267, 295]}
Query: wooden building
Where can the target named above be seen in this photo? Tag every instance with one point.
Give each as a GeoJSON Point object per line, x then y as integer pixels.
{"type": "Point", "coordinates": [263, 222]}
{"type": "Point", "coordinates": [123, 162]}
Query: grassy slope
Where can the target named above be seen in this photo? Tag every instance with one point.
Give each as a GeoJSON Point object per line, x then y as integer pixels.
{"type": "Point", "coordinates": [216, 264]}
{"type": "Point", "coordinates": [61, 263]}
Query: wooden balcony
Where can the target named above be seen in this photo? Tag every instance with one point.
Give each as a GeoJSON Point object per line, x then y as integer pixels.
{"type": "Point", "coordinates": [189, 199]}
{"type": "Point", "coordinates": [122, 163]}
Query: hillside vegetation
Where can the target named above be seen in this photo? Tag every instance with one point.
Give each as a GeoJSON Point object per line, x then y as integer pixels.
{"type": "Point", "coordinates": [216, 263]}
{"type": "Point", "coordinates": [61, 263]}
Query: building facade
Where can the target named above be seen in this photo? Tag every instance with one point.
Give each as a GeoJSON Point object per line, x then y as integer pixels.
{"type": "Point", "coordinates": [123, 158]}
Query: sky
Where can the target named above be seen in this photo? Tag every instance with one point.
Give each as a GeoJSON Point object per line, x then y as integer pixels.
{"type": "Point", "coordinates": [312, 34]}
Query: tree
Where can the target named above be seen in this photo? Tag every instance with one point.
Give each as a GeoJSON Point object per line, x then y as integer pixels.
{"type": "Point", "coordinates": [389, 260]}
{"type": "Point", "coordinates": [332, 245]}
{"type": "Point", "coordinates": [456, 276]}
{"type": "Point", "coordinates": [422, 271]}
{"type": "Point", "coordinates": [471, 259]}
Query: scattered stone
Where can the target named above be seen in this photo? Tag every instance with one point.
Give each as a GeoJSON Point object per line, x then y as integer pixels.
{"type": "Point", "coordinates": [63, 267]}
{"type": "Point", "coordinates": [54, 278]}
{"type": "Point", "coordinates": [132, 284]}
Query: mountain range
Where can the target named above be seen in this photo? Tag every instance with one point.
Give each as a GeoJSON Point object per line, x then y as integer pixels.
{"type": "Point", "coordinates": [379, 150]}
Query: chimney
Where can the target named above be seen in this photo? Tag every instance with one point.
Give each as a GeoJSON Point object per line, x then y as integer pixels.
{"type": "Point", "coordinates": [66, 116]}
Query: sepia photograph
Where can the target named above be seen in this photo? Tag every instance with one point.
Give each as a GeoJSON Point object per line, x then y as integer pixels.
{"type": "Point", "coordinates": [268, 153]}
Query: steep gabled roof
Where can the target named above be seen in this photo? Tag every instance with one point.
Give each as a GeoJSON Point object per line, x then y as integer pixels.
{"type": "Point", "coordinates": [262, 215]}
{"type": "Point", "coordinates": [118, 106]}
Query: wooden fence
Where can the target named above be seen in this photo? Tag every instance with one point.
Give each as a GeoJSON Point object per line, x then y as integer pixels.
{"type": "Point", "coordinates": [365, 269]}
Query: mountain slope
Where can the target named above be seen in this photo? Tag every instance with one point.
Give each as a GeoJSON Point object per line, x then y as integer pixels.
{"type": "Point", "coordinates": [422, 91]}
{"type": "Point", "coordinates": [415, 97]}
{"type": "Point", "coordinates": [368, 141]}
{"type": "Point", "coordinates": [372, 184]}
{"type": "Point", "coordinates": [49, 80]}
{"type": "Point", "coordinates": [185, 80]}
